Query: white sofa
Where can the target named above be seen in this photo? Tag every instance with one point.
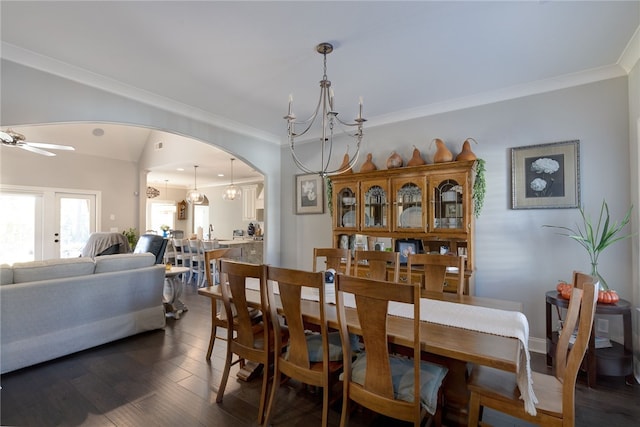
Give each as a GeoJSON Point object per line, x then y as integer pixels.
{"type": "Point", "coordinates": [57, 307]}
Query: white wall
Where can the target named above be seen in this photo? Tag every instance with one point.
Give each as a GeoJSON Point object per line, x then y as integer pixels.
{"type": "Point", "coordinates": [116, 179]}
{"type": "Point", "coordinates": [516, 258]}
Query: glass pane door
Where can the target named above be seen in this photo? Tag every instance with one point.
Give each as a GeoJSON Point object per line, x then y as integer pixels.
{"type": "Point", "coordinates": [76, 221]}
{"type": "Point", "coordinates": [20, 227]}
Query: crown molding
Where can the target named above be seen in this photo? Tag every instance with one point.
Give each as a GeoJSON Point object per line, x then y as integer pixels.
{"type": "Point", "coordinates": [28, 58]}
{"type": "Point", "coordinates": [513, 92]}
{"type": "Point", "coordinates": [631, 53]}
{"type": "Point", "coordinates": [61, 69]}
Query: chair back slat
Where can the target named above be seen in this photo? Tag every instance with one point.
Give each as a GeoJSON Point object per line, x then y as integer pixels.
{"type": "Point", "coordinates": [378, 262]}
{"type": "Point", "coordinates": [333, 259]}
{"type": "Point", "coordinates": [581, 311]}
{"type": "Point", "coordinates": [435, 270]}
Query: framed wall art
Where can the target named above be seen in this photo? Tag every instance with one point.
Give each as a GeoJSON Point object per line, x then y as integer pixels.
{"type": "Point", "coordinates": [309, 194]}
{"type": "Point", "coordinates": [407, 247]}
{"type": "Point", "coordinates": [546, 176]}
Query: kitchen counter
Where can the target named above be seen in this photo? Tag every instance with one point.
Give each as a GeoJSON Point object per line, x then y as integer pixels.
{"type": "Point", "coordinates": [251, 249]}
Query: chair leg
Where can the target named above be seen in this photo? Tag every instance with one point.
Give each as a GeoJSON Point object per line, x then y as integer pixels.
{"type": "Point", "coordinates": [272, 398]}
{"type": "Point", "coordinates": [325, 405]}
{"type": "Point", "coordinates": [214, 327]}
{"type": "Point", "coordinates": [474, 410]}
{"type": "Point", "coordinates": [263, 394]}
{"type": "Point", "coordinates": [346, 403]}
{"type": "Point", "coordinates": [225, 375]}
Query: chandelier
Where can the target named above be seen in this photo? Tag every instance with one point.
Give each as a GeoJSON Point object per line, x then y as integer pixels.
{"type": "Point", "coordinates": [329, 120]}
{"type": "Point", "coordinates": [194, 196]}
{"type": "Point", "coordinates": [231, 192]}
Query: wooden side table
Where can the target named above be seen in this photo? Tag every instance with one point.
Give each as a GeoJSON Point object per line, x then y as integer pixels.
{"type": "Point", "coordinates": [613, 361]}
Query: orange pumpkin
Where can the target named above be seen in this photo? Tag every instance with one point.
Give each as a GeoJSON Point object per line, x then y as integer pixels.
{"type": "Point", "coordinates": [561, 285]}
{"type": "Point", "coordinates": [608, 297]}
{"type": "Point", "coordinates": [566, 292]}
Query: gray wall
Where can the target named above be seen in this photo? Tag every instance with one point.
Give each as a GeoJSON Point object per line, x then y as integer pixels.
{"type": "Point", "coordinates": [516, 258]}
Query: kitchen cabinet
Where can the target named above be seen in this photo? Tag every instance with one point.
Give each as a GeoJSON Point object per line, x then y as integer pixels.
{"type": "Point", "coordinates": [431, 203]}
{"type": "Point", "coordinates": [249, 193]}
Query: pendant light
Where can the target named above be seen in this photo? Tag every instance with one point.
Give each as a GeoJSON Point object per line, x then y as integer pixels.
{"type": "Point", "coordinates": [194, 196]}
{"type": "Point", "coordinates": [232, 192]}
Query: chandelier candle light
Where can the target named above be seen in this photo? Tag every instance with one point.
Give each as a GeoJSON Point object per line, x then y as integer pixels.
{"type": "Point", "coordinates": [232, 192]}
{"type": "Point", "coordinates": [329, 119]}
{"type": "Point", "coordinates": [194, 196]}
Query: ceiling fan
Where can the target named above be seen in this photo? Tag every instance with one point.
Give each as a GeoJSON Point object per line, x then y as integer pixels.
{"type": "Point", "coordinates": [14, 139]}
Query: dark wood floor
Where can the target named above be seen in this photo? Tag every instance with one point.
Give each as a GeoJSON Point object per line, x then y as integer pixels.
{"type": "Point", "coordinates": [161, 378]}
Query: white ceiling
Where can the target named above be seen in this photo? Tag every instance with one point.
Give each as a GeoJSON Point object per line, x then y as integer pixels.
{"type": "Point", "coordinates": [237, 62]}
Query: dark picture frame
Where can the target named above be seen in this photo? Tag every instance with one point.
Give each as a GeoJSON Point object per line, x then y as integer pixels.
{"type": "Point", "coordinates": [546, 176]}
{"type": "Point", "coordinates": [309, 194]}
{"type": "Point", "coordinates": [407, 246]}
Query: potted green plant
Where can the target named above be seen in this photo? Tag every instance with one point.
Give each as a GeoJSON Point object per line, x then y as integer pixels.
{"type": "Point", "coordinates": [597, 240]}
{"type": "Point", "coordinates": [132, 237]}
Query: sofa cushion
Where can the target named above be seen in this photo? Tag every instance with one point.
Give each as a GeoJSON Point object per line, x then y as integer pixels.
{"type": "Point", "coordinates": [6, 274]}
{"type": "Point", "coordinates": [35, 271]}
{"type": "Point", "coordinates": [120, 262]}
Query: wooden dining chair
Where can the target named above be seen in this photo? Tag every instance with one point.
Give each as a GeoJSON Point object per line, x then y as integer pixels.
{"type": "Point", "coordinates": [497, 389]}
{"type": "Point", "coordinates": [313, 359]}
{"type": "Point", "coordinates": [435, 270]}
{"type": "Point", "coordinates": [212, 268]}
{"type": "Point", "coordinates": [377, 263]}
{"type": "Point", "coordinates": [333, 258]}
{"type": "Point", "coordinates": [251, 340]}
{"type": "Point", "coordinates": [377, 379]}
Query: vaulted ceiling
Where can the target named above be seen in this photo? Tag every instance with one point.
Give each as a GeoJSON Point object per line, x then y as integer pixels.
{"type": "Point", "coordinates": [237, 62]}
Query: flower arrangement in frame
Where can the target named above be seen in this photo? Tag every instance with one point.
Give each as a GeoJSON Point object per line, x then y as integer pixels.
{"type": "Point", "coordinates": [546, 176]}
{"type": "Point", "coordinates": [309, 194]}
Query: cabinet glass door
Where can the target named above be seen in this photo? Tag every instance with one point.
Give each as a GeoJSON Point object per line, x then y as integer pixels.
{"type": "Point", "coordinates": [448, 205]}
{"type": "Point", "coordinates": [346, 204]}
{"type": "Point", "coordinates": [375, 205]}
{"type": "Point", "coordinates": [409, 213]}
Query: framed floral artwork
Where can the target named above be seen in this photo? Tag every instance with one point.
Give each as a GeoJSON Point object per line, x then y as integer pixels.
{"type": "Point", "coordinates": [309, 194]}
{"type": "Point", "coordinates": [546, 176]}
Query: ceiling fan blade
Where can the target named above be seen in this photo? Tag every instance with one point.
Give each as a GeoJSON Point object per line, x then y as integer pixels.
{"type": "Point", "coordinates": [50, 146]}
{"type": "Point", "coordinates": [35, 150]}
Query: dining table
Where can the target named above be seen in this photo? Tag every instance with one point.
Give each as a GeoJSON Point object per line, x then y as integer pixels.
{"type": "Point", "coordinates": [456, 347]}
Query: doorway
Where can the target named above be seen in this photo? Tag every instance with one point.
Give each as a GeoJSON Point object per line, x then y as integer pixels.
{"type": "Point", "coordinates": [43, 223]}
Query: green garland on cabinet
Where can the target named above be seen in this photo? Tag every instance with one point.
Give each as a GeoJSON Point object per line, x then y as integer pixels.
{"type": "Point", "coordinates": [479, 187]}
{"type": "Point", "coordinates": [329, 187]}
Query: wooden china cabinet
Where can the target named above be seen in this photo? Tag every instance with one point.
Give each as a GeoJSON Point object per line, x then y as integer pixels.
{"type": "Point", "coordinates": [431, 204]}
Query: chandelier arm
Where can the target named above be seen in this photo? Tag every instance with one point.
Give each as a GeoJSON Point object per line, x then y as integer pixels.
{"type": "Point", "coordinates": [311, 120]}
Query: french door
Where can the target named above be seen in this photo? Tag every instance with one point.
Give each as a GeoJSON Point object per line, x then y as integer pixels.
{"type": "Point", "coordinates": [40, 223]}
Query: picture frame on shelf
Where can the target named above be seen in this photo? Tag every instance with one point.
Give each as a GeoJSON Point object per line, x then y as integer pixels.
{"type": "Point", "coordinates": [546, 176]}
{"type": "Point", "coordinates": [406, 247]}
{"type": "Point", "coordinates": [309, 194]}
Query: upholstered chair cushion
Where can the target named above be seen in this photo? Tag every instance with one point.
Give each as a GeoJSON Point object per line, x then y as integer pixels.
{"type": "Point", "coordinates": [431, 377]}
